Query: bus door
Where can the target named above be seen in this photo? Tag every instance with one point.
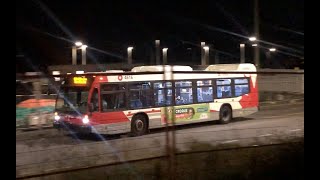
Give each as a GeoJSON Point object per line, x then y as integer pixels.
{"type": "Point", "coordinates": [108, 105]}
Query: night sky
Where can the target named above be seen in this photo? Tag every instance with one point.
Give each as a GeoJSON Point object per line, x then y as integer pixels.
{"type": "Point", "coordinates": [46, 30]}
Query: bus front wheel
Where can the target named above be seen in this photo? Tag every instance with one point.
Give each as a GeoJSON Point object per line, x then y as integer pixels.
{"type": "Point", "coordinates": [225, 114]}
{"type": "Point", "coordinates": [139, 125]}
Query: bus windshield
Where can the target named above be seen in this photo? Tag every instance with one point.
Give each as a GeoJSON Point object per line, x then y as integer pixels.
{"type": "Point", "coordinates": [72, 99]}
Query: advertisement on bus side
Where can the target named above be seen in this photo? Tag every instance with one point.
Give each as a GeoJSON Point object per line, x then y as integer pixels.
{"type": "Point", "coordinates": [185, 113]}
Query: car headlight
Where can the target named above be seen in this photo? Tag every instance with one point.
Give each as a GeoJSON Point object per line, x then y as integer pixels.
{"type": "Point", "coordinates": [85, 119]}
{"type": "Point", "coordinates": [56, 116]}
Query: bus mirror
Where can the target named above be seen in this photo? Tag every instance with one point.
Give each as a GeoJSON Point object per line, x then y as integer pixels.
{"type": "Point", "coordinates": [90, 107]}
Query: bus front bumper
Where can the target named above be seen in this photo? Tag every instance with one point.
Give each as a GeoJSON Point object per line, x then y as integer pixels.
{"type": "Point", "coordinates": [72, 127]}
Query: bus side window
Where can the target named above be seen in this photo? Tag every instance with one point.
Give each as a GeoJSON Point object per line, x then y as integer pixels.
{"type": "Point", "coordinates": [136, 104]}
{"type": "Point", "coordinates": [113, 101]}
{"type": "Point", "coordinates": [95, 100]}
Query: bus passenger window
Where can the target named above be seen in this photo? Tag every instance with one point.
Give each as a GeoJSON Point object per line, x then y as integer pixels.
{"type": "Point", "coordinates": [113, 101]}
{"type": "Point", "coordinates": [107, 101]}
{"type": "Point", "coordinates": [223, 91]}
{"type": "Point", "coordinates": [95, 100]}
{"type": "Point", "coordinates": [136, 104]}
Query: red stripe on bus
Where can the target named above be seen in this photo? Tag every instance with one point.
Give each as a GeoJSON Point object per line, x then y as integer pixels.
{"type": "Point", "coordinates": [153, 111]}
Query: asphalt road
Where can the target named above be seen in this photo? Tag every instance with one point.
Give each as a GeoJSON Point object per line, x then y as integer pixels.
{"type": "Point", "coordinates": [50, 150]}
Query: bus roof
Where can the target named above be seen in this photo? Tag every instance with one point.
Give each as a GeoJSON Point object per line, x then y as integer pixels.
{"type": "Point", "coordinates": [114, 71]}
{"type": "Point", "coordinates": [232, 67]}
{"type": "Point", "coordinates": [158, 68]}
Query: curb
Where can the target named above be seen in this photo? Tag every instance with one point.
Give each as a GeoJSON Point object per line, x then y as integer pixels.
{"type": "Point", "coordinates": [34, 128]}
{"type": "Point", "coordinates": [291, 101]}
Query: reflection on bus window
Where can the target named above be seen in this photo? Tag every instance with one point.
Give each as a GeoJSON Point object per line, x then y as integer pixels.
{"type": "Point", "coordinates": [241, 86]}
{"type": "Point", "coordinates": [158, 85]}
{"type": "Point", "coordinates": [140, 86]}
{"type": "Point", "coordinates": [223, 81]}
{"type": "Point", "coordinates": [241, 81]}
{"type": "Point", "coordinates": [183, 94]}
{"type": "Point", "coordinates": [241, 89]}
{"type": "Point", "coordinates": [140, 95]}
{"type": "Point", "coordinates": [204, 83]}
{"type": "Point", "coordinates": [223, 91]}
{"type": "Point", "coordinates": [95, 100]}
{"type": "Point", "coordinates": [204, 94]}
{"type": "Point", "coordinates": [163, 97]}
{"type": "Point", "coordinates": [140, 99]}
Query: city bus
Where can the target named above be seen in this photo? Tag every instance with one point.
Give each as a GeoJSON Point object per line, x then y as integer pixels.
{"type": "Point", "coordinates": [150, 97]}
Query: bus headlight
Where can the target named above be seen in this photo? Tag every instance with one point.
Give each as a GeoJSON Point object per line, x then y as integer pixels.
{"type": "Point", "coordinates": [85, 119]}
{"type": "Point", "coordinates": [56, 116]}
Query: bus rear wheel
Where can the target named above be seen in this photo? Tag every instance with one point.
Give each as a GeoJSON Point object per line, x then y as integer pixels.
{"type": "Point", "coordinates": [225, 114]}
{"type": "Point", "coordinates": [139, 125]}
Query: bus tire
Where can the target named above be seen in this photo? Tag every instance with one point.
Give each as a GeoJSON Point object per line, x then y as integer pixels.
{"type": "Point", "coordinates": [225, 114]}
{"type": "Point", "coordinates": [139, 125]}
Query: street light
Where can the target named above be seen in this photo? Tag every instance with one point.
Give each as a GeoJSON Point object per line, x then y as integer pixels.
{"type": "Point", "coordinates": [206, 55]}
{"type": "Point", "coordinates": [164, 55]}
{"type": "Point", "coordinates": [272, 49]}
{"type": "Point", "coordinates": [74, 52]}
{"type": "Point", "coordinates": [78, 43]}
{"type": "Point", "coordinates": [252, 38]}
{"type": "Point", "coordinates": [129, 49]}
{"type": "Point", "coordinates": [83, 47]}
{"type": "Point", "coordinates": [206, 48]}
{"type": "Point", "coordinates": [56, 73]}
{"type": "Point", "coordinates": [269, 55]}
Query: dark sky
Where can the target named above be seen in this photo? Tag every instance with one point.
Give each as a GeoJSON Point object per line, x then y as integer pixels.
{"type": "Point", "coordinates": [46, 29]}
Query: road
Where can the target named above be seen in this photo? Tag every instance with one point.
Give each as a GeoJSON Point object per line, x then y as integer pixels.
{"type": "Point", "coordinates": [48, 150]}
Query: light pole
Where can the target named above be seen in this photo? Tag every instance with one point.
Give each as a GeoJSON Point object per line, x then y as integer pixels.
{"type": "Point", "coordinates": [164, 55]}
{"type": "Point", "coordinates": [74, 52]}
{"type": "Point", "coordinates": [84, 54]}
{"type": "Point", "coordinates": [269, 59]}
{"type": "Point", "coordinates": [216, 57]}
{"type": "Point", "coordinates": [157, 52]}
{"type": "Point", "coordinates": [202, 52]}
{"type": "Point", "coordinates": [242, 53]}
{"type": "Point", "coordinates": [83, 47]}
{"type": "Point", "coordinates": [254, 44]}
{"type": "Point", "coordinates": [206, 55]}
{"type": "Point", "coordinates": [129, 49]}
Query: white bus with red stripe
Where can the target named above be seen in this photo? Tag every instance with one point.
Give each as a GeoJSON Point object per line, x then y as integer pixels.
{"type": "Point", "coordinates": [152, 96]}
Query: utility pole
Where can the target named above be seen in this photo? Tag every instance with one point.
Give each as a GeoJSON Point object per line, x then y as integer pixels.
{"type": "Point", "coordinates": [256, 32]}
